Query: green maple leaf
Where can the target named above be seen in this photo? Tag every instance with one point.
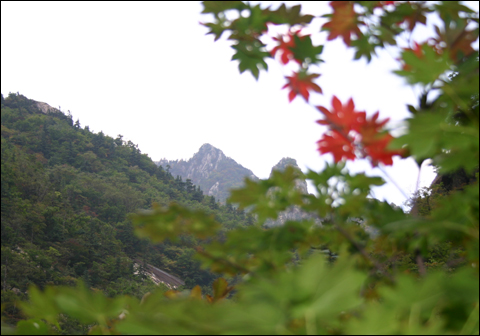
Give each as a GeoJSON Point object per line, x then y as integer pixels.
{"type": "Point", "coordinates": [365, 47]}
{"type": "Point", "coordinates": [424, 69]}
{"type": "Point", "coordinates": [285, 15]}
{"type": "Point", "coordinates": [251, 56]}
{"type": "Point", "coordinates": [216, 7]}
{"type": "Point", "coordinates": [305, 51]}
{"type": "Point", "coordinates": [217, 29]}
{"type": "Point", "coordinates": [249, 27]}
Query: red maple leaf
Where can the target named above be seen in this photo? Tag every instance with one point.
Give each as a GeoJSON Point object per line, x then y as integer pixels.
{"type": "Point", "coordinates": [338, 145]}
{"type": "Point", "coordinates": [351, 131]}
{"type": "Point", "coordinates": [375, 144]}
{"type": "Point", "coordinates": [377, 150]}
{"type": "Point", "coordinates": [300, 83]}
{"type": "Point", "coordinates": [342, 117]}
{"type": "Point", "coordinates": [370, 128]}
{"type": "Point", "coordinates": [285, 48]}
{"type": "Point", "coordinates": [344, 21]}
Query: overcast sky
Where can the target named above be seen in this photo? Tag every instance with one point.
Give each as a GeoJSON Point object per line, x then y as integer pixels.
{"type": "Point", "coordinates": [147, 70]}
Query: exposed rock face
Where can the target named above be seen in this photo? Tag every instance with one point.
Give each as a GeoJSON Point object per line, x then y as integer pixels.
{"type": "Point", "coordinates": [293, 213]}
{"type": "Point", "coordinates": [282, 164]}
{"type": "Point", "coordinates": [158, 276]}
{"type": "Point", "coordinates": [44, 107]}
{"type": "Point", "coordinates": [210, 169]}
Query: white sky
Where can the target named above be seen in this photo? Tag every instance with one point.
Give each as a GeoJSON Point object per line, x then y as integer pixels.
{"type": "Point", "coordinates": [147, 70]}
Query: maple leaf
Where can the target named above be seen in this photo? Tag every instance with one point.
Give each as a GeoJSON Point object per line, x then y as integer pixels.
{"type": "Point", "coordinates": [423, 64]}
{"type": "Point", "coordinates": [342, 117]}
{"type": "Point", "coordinates": [291, 16]}
{"type": "Point", "coordinates": [284, 47]}
{"type": "Point", "coordinates": [251, 57]}
{"type": "Point", "coordinates": [304, 50]}
{"type": "Point", "coordinates": [412, 13]}
{"type": "Point", "coordinates": [457, 41]}
{"type": "Point", "coordinates": [338, 145]}
{"type": "Point", "coordinates": [344, 21]}
{"type": "Point", "coordinates": [297, 48]}
{"type": "Point", "coordinates": [351, 131]}
{"type": "Point", "coordinates": [370, 128]}
{"type": "Point", "coordinates": [300, 83]}
{"type": "Point", "coordinates": [377, 150]}
{"type": "Point", "coordinates": [416, 50]}
{"type": "Point", "coordinates": [375, 144]}
{"type": "Point", "coordinates": [216, 7]}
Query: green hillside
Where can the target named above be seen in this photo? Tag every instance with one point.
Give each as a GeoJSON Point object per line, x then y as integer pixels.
{"type": "Point", "coordinates": [66, 194]}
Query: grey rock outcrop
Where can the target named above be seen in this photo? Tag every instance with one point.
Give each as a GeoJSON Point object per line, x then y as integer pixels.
{"type": "Point", "coordinates": [293, 213]}
{"type": "Point", "coordinates": [210, 169]}
{"type": "Point", "coordinates": [44, 107]}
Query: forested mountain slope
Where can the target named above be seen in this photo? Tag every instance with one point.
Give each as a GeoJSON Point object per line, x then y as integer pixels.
{"type": "Point", "coordinates": [66, 193]}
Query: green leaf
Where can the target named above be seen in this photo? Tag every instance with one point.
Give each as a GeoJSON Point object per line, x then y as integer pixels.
{"type": "Point", "coordinates": [171, 222]}
{"type": "Point", "coordinates": [433, 136]}
{"type": "Point", "coordinates": [425, 136]}
{"type": "Point", "coordinates": [251, 57]}
{"type": "Point", "coordinates": [269, 197]}
{"type": "Point", "coordinates": [88, 306]}
{"type": "Point", "coordinates": [408, 307]}
{"type": "Point", "coordinates": [216, 7]}
{"type": "Point", "coordinates": [249, 27]}
{"type": "Point", "coordinates": [255, 249]}
{"type": "Point", "coordinates": [217, 29]}
{"type": "Point", "coordinates": [42, 304]}
{"type": "Point", "coordinates": [315, 288]}
{"type": "Point", "coordinates": [304, 50]}
{"type": "Point", "coordinates": [425, 69]}
{"type": "Point", "coordinates": [285, 15]}
{"type": "Point", "coordinates": [365, 47]}
{"type": "Point", "coordinates": [32, 327]}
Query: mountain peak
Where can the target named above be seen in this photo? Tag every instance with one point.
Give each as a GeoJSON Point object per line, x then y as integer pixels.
{"type": "Point", "coordinates": [283, 163]}
{"type": "Point", "coordinates": [212, 170]}
{"type": "Point", "coordinates": [207, 146]}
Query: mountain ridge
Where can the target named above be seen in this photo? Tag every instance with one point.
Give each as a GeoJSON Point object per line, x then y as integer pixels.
{"type": "Point", "coordinates": [211, 169]}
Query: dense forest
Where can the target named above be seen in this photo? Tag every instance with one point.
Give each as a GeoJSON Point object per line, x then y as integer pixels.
{"type": "Point", "coordinates": [66, 196]}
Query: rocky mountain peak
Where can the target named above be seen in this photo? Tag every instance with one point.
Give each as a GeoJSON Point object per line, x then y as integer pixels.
{"type": "Point", "coordinates": [282, 164]}
{"type": "Point", "coordinates": [206, 147]}
{"type": "Point", "coordinates": [205, 161]}
{"type": "Point", "coordinates": [212, 170]}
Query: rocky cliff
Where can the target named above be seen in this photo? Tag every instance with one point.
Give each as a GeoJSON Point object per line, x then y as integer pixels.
{"type": "Point", "coordinates": [293, 213]}
{"type": "Point", "coordinates": [216, 174]}
{"type": "Point", "coordinates": [210, 169]}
